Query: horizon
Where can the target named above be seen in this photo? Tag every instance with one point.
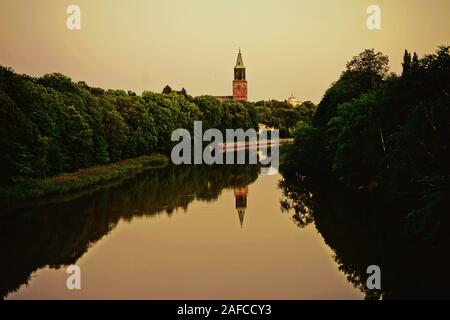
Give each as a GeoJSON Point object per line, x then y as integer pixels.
{"type": "Point", "coordinates": [143, 46]}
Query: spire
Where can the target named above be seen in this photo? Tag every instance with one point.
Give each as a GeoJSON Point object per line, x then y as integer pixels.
{"type": "Point", "coordinates": [241, 213]}
{"type": "Point", "coordinates": [240, 61]}
{"type": "Point", "coordinates": [241, 202]}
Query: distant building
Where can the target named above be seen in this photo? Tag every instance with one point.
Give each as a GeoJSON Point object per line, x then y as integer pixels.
{"type": "Point", "coordinates": [293, 101]}
{"type": "Point", "coordinates": [240, 86]}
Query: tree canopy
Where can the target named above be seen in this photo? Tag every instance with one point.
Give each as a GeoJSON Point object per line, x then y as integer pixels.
{"type": "Point", "coordinates": [374, 129]}
{"type": "Point", "coordinates": [51, 125]}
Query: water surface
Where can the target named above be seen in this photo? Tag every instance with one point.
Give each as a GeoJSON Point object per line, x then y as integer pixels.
{"type": "Point", "coordinates": [175, 233]}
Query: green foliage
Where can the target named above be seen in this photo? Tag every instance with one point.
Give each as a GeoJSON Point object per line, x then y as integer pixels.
{"type": "Point", "coordinates": [364, 73]}
{"type": "Point", "coordinates": [167, 90]}
{"type": "Point", "coordinates": [51, 125]}
{"type": "Point", "coordinates": [236, 116]}
{"type": "Point", "coordinates": [392, 132]}
{"type": "Point", "coordinates": [282, 115]}
{"type": "Point", "coordinates": [80, 180]}
{"type": "Point", "coordinates": [212, 111]}
{"type": "Point", "coordinates": [358, 142]}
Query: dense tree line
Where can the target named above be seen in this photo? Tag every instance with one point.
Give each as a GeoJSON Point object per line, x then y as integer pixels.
{"type": "Point", "coordinates": [50, 125]}
{"type": "Point", "coordinates": [283, 116]}
{"type": "Point", "coordinates": [374, 130]}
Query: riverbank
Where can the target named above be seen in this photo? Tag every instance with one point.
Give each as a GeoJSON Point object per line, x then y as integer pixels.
{"type": "Point", "coordinates": [76, 181]}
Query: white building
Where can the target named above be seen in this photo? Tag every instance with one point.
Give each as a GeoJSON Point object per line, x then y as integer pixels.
{"type": "Point", "coordinates": [293, 101]}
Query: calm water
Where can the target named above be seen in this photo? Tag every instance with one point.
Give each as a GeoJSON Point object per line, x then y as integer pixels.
{"type": "Point", "coordinates": [175, 233]}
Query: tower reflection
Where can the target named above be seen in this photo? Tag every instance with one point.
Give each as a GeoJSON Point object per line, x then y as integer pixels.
{"type": "Point", "coordinates": [241, 202]}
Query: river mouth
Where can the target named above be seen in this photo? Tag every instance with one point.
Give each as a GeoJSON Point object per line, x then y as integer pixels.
{"type": "Point", "coordinates": [172, 233]}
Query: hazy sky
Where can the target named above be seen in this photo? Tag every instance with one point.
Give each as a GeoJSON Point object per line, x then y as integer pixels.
{"type": "Point", "coordinates": [289, 46]}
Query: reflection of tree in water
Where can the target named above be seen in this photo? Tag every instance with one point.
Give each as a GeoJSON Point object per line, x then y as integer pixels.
{"type": "Point", "coordinates": [298, 199]}
{"type": "Point", "coordinates": [363, 231]}
{"type": "Point", "coordinates": [59, 234]}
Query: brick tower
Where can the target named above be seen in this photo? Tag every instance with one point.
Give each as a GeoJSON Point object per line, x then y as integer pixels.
{"type": "Point", "coordinates": [239, 83]}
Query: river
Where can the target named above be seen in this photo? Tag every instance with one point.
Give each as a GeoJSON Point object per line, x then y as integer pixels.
{"type": "Point", "coordinates": [174, 233]}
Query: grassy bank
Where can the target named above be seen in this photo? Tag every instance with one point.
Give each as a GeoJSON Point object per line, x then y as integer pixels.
{"type": "Point", "coordinates": [81, 179]}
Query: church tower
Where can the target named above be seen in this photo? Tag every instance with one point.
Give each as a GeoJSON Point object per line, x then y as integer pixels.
{"type": "Point", "coordinates": [240, 83]}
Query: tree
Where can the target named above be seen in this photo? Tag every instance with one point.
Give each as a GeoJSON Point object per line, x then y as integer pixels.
{"type": "Point", "coordinates": [363, 73]}
{"type": "Point", "coordinates": [116, 132]}
{"type": "Point", "coordinates": [407, 61]}
{"type": "Point", "coordinates": [211, 110]}
{"type": "Point", "coordinates": [167, 90]}
{"type": "Point", "coordinates": [281, 115]}
{"type": "Point", "coordinates": [16, 137]}
{"type": "Point", "coordinates": [392, 137]}
{"type": "Point", "coordinates": [51, 125]}
{"type": "Point", "coordinates": [369, 62]}
{"type": "Point", "coordinates": [415, 61]}
{"type": "Point", "coordinates": [359, 147]}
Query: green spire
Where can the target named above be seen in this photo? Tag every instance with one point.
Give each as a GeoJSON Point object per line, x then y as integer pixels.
{"type": "Point", "coordinates": [239, 62]}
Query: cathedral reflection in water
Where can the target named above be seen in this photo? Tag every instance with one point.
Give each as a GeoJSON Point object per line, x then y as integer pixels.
{"type": "Point", "coordinates": [241, 202]}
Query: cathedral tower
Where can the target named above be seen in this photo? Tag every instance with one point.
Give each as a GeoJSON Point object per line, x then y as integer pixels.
{"type": "Point", "coordinates": [240, 195]}
{"type": "Point", "coordinates": [240, 83]}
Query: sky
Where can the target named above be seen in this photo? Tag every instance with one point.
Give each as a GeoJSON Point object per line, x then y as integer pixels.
{"type": "Point", "coordinates": [289, 46]}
